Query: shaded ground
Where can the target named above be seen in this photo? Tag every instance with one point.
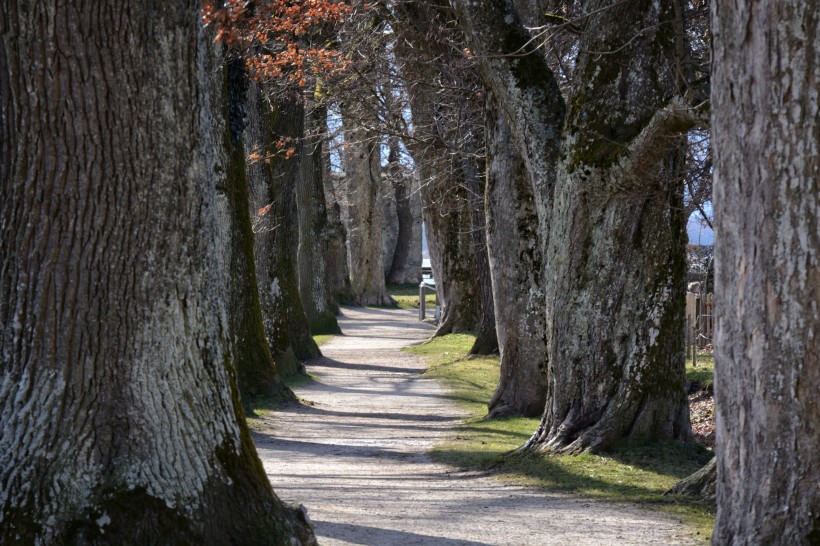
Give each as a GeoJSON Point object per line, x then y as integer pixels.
{"type": "Point", "coordinates": [355, 457]}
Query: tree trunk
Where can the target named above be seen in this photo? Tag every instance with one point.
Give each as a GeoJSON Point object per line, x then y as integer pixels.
{"type": "Point", "coordinates": [699, 485]}
{"type": "Point", "coordinates": [765, 123]}
{"type": "Point", "coordinates": [314, 229]}
{"type": "Point", "coordinates": [120, 421]}
{"type": "Point", "coordinates": [256, 370]}
{"type": "Point", "coordinates": [338, 274]}
{"type": "Point", "coordinates": [515, 264]}
{"type": "Point", "coordinates": [390, 221]}
{"type": "Point", "coordinates": [273, 183]}
{"type": "Point", "coordinates": [364, 241]}
{"type": "Point", "coordinates": [440, 164]}
{"type": "Point", "coordinates": [614, 231]}
{"type": "Point", "coordinates": [486, 341]}
{"type": "Point", "coordinates": [405, 267]}
{"type": "Point", "coordinates": [447, 219]}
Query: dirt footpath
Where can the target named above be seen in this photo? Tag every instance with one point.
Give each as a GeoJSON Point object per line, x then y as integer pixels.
{"type": "Point", "coordinates": [356, 459]}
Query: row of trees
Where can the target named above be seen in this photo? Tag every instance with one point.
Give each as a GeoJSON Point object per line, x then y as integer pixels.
{"type": "Point", "coordinates": [172, 233]}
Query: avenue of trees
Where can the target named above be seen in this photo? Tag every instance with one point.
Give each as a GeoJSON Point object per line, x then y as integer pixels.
{"type": "Point", "coordinates": [189, 192]}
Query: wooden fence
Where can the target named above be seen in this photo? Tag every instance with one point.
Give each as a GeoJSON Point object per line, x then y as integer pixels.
{"type": "Point", "coordinates": [700, 319]}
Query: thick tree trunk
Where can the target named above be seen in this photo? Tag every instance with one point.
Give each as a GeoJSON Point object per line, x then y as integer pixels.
{"type": "Point", "coordinates": [338, 274]}
{"type": "Point", "coordinates": [390, 221]}
{"type": "Point", "coordinates": [405, 267]}
{"type": "Point", "coordinates": [447, 219]}
{"type": "Point", "coordinates": [256, 370]}
{"type": "Point", "coordinates": [766, 133]}
{"type": "Point", "coordinates": [614, 231]}
{"type": "Point", "coordinates": [515, 264]}
{"type": "Point", "coordinates": [440, 166]}
{"type": "Point", "coordinates": [365, 215]}
{"type": "Point", "coordinates": [272, 184]}
{"type": "Point", "coordinates": [314, 229]}
{"type": "Point", "coordinates": [120, 422]}
{"type": "Point", "coordinates": [486, 341]}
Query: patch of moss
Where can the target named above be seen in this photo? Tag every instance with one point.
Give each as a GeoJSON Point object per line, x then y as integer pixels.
{"type": "Point", "coordinates": [325, 324]}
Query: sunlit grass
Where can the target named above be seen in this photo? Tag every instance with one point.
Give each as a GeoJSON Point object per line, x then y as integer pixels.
{"type": "Point", "coordinates": [321, 339]}
{"type": "Point", "coordinates": [407, 296]}
{"type": "Point", "coordinates": [702, 375]}
{"type": "Point", "coordinates": [628, 475]}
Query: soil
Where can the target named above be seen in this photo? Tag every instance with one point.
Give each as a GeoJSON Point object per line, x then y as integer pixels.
{"type": "Point", "coordinates": [355, 455]}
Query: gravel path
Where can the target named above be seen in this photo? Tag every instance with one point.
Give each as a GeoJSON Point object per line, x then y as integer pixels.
{"type": "Point", "coordinates": [355, 457]}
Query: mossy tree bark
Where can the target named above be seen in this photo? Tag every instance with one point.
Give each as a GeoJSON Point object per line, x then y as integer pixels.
{"type": "Point", "coordinates": [766, 142]}
{"type": "Point", "coordinates": [516, 264]}
{"type": "Point", "coordinates": [120, 421]}
{"type": "Point", "coordinates": [273, 184]}
{"type": "Point", "coordinates": [610, 218]}
{"type": "Point", "coordinates": [255, 366]}
{"type": "Point", "coordinates": [314, 228]}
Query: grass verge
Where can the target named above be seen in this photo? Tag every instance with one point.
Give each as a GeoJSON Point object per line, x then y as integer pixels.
{"type": "Point", "coordinates": [407, 296]}
{"type": "Point", "coordinates": [321, 339]}
{"type": "Point", "coordinates": [702, 376]}
{"type": "Point", "coordinates": [638, 475]}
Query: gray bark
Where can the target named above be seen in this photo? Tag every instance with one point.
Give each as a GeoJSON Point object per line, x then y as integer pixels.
{"type": "Point", "coordinates": [256, 370]}
{"type": "Point", "coordinates": [390, 222]}
{"type": "Point", "coordinates": [449, 241]}
{"type": "Point", "coordinates": [609, 216]}
{"type": "Point", "coordinates": [405, 266]}
{"type": "Point", "coordinates": [120, 422]}
{"type": "Point", "coordinates": [699, 485]}
{"type": "Point", "coordinates": [338, 275]}
{"type": "Point", "coordinates": [365, 214]}
{"type": "Point", "coordinates": [314, 229]}
{"type": "Point", "coordinates": [516, 264]}
{"type": "Point", "coordinates": [273, 184]}
{"type": "Point", "coordinates": [486, 341]}
{"type": "Point", "coordinates": [443, 182]}
{"type": "Point", "coordinates": [765, 130]}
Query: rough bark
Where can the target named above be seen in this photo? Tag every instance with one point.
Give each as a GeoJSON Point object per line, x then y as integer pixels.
{"type": "Point", "coordinates": [390, 221]}
{"type": "Point", "coordinates": [314, 228]}
{"type": "Point", "coordinates": [613, 227]}
{"type": "Point", "coordinates": [120, 422]}
{"type": "Point", "coordinates": [699, 485]}
{"type": "Point", "coordinates": [443, 185]}
{"type": "Point", "coordinates": [405, 267]}
{"type": "Point", "coordinates": [338, 276]}
{"type": "Point", "coordinates": [486, 341]}
{"type": "Point", "coordinates": [515, 264]}
{"type": "Point", "coordinates": [255, 367]}
{"type": "Point", "coordinates": [272, 183]}
{"type": "Point", "coordinates": [365, 215]}
{"type": "Point", "coordinates": [447, 221]}
{"type": "Point", "coordinates": [765, 123]}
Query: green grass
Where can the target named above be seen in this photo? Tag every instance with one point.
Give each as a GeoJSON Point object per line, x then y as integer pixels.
{"type": "Point", "coordinates": [321, 339]}
{"type": "Point", "coordinates": [703, 376]}
{"type": "Point", "coordinates": [407, 296]}
{"type": "Point", "coordinates": [628, 475]}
